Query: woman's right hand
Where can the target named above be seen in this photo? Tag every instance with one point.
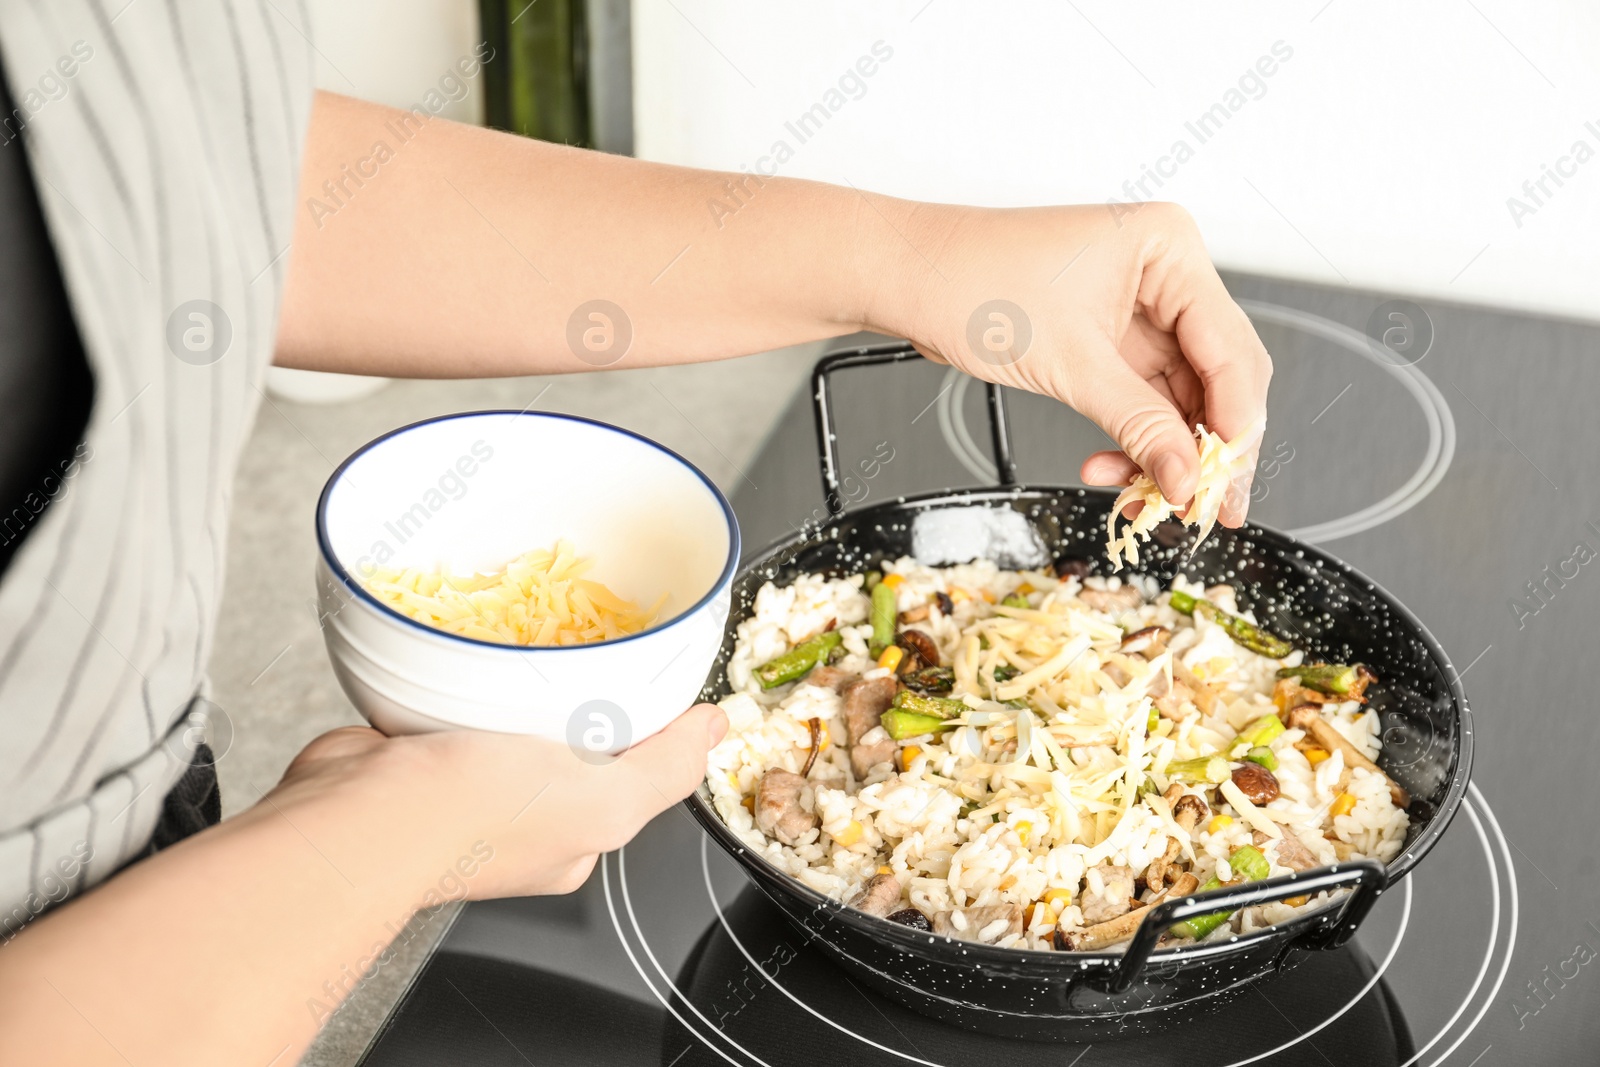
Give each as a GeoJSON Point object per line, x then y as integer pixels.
{"type": "Point", "coordinates": [414, 806]}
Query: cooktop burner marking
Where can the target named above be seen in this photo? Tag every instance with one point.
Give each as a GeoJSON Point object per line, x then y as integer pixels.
{"type": "Point", "coordinates": [1472, 805]}
{"type": "Point", "coordinates": [1435, 411]}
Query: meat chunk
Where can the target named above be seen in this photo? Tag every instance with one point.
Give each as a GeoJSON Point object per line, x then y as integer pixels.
{"type": "Point", "coordinates": [1112, 601]}
{"type": "Point", "coordinates": [1291, 852]}
{"type": "Point", "coordinates": [1114, 899]}
{"type": "Point", "coordinates": [828, 677]}
{"type": "Point", "coordinates": [778, 810]}
{"type": "Point", "coordinates": [979, 919]}
{"type": "Point", "coordinates": [864, 701]}
{"type": "Point", "coordinates": [864, 757]}
{"type": "Point", "coordinates": [879, 896]}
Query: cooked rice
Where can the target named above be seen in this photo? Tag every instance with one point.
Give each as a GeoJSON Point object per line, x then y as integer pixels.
{"type": "Point", "coordinates": [1045, 821]}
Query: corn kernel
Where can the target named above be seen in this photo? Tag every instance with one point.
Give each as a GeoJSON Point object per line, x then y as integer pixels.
{"type": "Point", "coordinates": [894, 581]}
{"type": "Point", "coordinates": [1315, 756]}
{"type": "Point", "coordinates": [986, 595]}
{"type": "Point", "coordinates": [1024, 589]}
{"type": "Point", "coordinates": [890, 660]}
{"type": "Point", "coordinates": [958, 594]}
{"type": "Point", "coordinates": [1024, 829]}
{"type": "Point", "coordinates": [904, 757]}
{"type": "Point", "coordinates": [1343, 804]}
{"type": "Point", "coordinates": [748, 803]}
{"type": "Point", "coordinates": [823, 739]}
{"type": "Point", "coordinates": [885, 869]}
{"type": "Point", "coordinates": [849, 835]}
{"type": "Point", "coordinates": [1218, 823]}
{"type": "Point", "coordinates": [1057, 898]}
{"type": "Point", "coordinates": [1296, 902]}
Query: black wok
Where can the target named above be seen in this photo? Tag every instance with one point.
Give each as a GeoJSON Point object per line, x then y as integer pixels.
{"type": "Point", "coordinates": [1324, 606]}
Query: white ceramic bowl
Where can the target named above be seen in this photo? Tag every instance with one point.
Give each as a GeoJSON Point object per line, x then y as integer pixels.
{"type": "Point", "coordinates": [470, 492]}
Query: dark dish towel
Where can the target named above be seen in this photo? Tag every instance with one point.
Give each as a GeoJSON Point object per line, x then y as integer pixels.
{"type": "Point", "coordinates": [193, 804]}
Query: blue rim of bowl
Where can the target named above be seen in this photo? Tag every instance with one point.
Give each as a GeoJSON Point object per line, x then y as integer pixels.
{"type": "Point", "coordinates": [724, 579]}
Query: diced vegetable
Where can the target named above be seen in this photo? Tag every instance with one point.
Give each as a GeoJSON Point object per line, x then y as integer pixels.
{"type": "Point", "coordinates": [798, 661]}
{"type": "Point", "coordinates": [1015, 600]}
{"type": "Point", "coordinates": [872, 578]}
{"type": "Point", "coordinates": [1220, 822]}
{"type": "Point", "coordinates": [1336, 679]}
{"type": "Point", "coordinates": [1260, 732]}
{"type": "Point", "coordinates": [1153, 720]}
{"type": "Point", "coordinates": [1343, 804]}
{"type": "Point", "coordinates": [901, 724]}
{"type": "Point", "coordinates": [921, 704]}
{"type": "Point", "coordinates": [1004, 672]}
{"type": "Point", "coordinates": [1248, 865]}
{"type": "Point", "coordinates": [1213, 769]}
{"type": "Point", "coordinates": [891, 658]}
{"type": "Point", "coordinates": [1264, 756]}
{"type": "Point", "coordinates": [1315, 756]}
{"type": "Point", "coordinates": [893, 581]}
{"type": "Point", "coordinates": [884, 605]}
{"type": "Point", "coordinates": [1244, 633]}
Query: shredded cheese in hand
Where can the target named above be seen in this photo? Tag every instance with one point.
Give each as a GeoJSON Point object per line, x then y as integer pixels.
{"type": "Point", "coordinates": [540, 598]}
{"type": "Point", "coordinates": [1220, 463]}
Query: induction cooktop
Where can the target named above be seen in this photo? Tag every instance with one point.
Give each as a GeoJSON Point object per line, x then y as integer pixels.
{"type": "Point", "coordinates": [1445, 452]}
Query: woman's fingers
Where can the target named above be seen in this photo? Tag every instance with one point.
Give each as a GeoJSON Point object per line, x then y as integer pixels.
{"type": "Point", "coordinates": [1108, 468]}
{"type": "Point", "coordinates": [1141, 420]}
{"type": "Point", "coordinates": [663, 769]}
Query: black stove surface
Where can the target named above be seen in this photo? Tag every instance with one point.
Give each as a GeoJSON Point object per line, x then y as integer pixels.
{"type": "Point", "coordinates": [1455, 468]}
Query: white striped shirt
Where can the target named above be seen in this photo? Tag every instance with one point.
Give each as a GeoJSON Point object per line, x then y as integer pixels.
{"type": "Point", "coordinates": [166, 172]}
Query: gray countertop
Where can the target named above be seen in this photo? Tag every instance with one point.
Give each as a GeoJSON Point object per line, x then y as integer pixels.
{"type": "Point", "coordinates": [269, 671]}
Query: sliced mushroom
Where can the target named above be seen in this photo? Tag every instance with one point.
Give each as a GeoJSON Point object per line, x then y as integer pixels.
{"type": "Point", "coordinates": [1115, 931]}
{"type": "Point", "coordinates": [913, 918]}
{"type": "Point", "coordinates": [1292, 853]}
{"type": "Point", "coordinates": [947, 607]}
{"type": "Point", "coordinates": [1113, 601]}
{"type": "Point", "coordinates": [1149, 642]}
{"type": "Point", "coordinates": [916, 614]}
{"type": "Point", "coordinates": [879, 895]}
{"type": "Point", "coordinates": [1309, 718]}
{"type": "Point", "coordinates": [778, 810]}
{"type": "Point", "coordinates": [1073, 567]}
{"type": "Point", "coordinates": [979, 919]}
{"type": "Point", "coordinates": [1116, 898]}
{"type": "Point", "coordinates": [1187, 811]}
{"type": "Point", "coordinates": [1259, 785]}
{"type": "Point", "coordinates": [920, 643]}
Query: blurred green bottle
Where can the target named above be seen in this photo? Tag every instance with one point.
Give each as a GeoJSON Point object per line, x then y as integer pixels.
{"type": "Point", "coordinates": [538, 83]}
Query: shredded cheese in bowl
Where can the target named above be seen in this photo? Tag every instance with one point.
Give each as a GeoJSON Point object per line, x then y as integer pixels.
{"type": "Point", "coordinates": [540, 599]}
{"type": "Point", "coordinates": [1220, 463]}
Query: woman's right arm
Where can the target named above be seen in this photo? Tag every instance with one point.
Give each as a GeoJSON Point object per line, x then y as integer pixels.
{"type": "Point", "coordinates": [236, 944]}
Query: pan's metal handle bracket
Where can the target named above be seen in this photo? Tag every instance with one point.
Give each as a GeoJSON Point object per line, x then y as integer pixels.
{"type": "Point", "coordinates": [1368, 878]}
{"type": "Point", "coordinates": [893, 352]}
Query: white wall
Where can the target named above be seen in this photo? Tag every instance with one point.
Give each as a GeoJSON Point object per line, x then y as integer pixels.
{"type": "Point", "coordinates": [394, 51]}
{"type": "Point", "coordinates": [1380, 154]}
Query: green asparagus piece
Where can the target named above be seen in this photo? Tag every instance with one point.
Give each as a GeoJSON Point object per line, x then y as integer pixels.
{"type": "Point", "coordinates": [1015, 600]}
{"type": "Point", "coordinates": [871, 580]}
{"type": "Point", "coordinates": [1248, 865]}
{"type": "Point", "coordinates": [902, 724]}
{"type": "Point", "coordinates": [1336, 679]}
{"type": "Point", "coordinates": [1264, 756]}
{"type": "Point", "coordinates": [932, 707]}
{"type": "Point", "coordinates": [1004, 672]}
{"type": "Point", "coordinates": [1258, 733]}
{"type": "Point", "coordinates": [884, 605]}
{"type": "Point", "coordinates": [1213, 769]}
{"type": "Point", "coordinates": [1245, 634]}
{"type": "Point", "coordinates": [1153, 721]}
{"type": "Point", "coordinates": [931, 679]}
{"type": "Point", "coordinates": [798, 661]}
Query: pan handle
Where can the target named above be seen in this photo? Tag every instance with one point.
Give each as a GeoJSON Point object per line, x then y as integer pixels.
{"type": "Point", "coordinates": [1367, 878]}
{"type": "Point", "coordinates": [893, 352]}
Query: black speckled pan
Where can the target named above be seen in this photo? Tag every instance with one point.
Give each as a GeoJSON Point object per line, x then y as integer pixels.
{"type": "Point", "coordinates": [1324, 606]}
